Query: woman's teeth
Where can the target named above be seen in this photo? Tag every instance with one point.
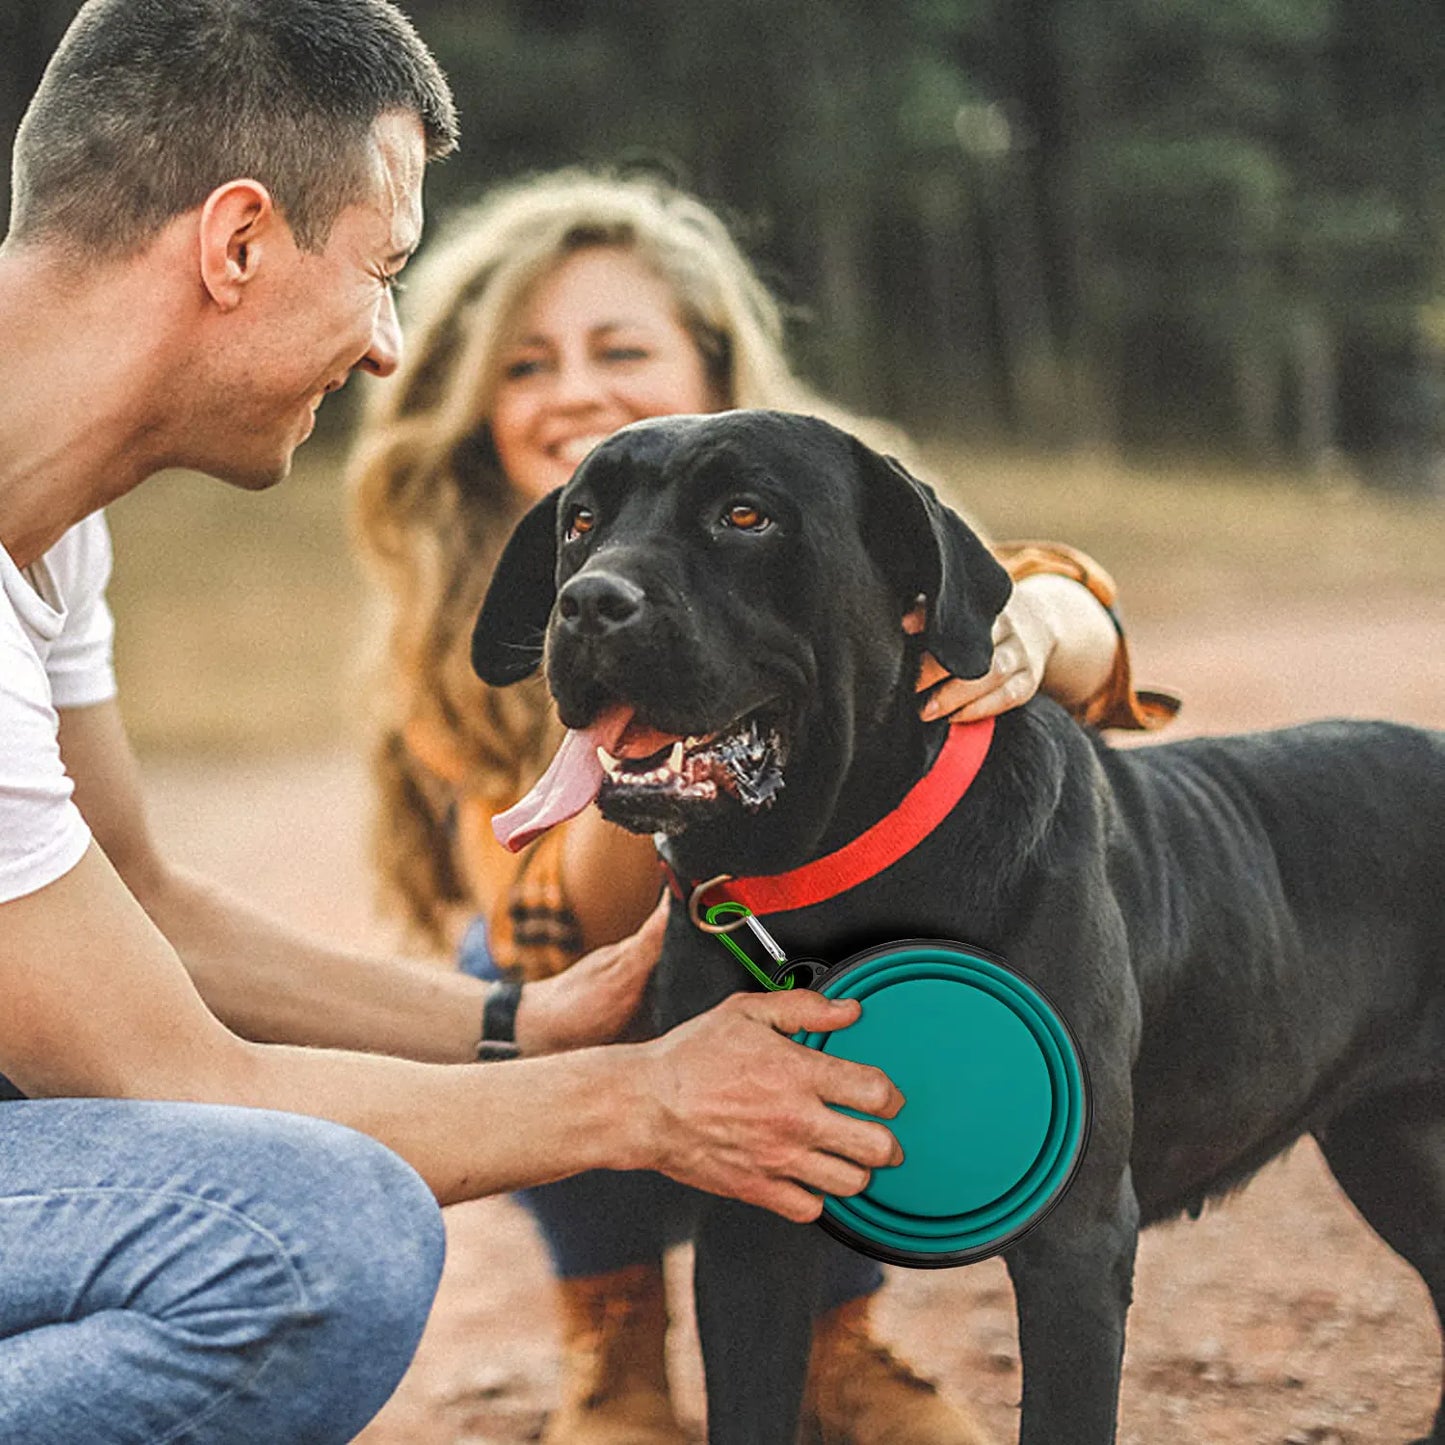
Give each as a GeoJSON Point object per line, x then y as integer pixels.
{"type": "Point", "coordinates": [572, 451]}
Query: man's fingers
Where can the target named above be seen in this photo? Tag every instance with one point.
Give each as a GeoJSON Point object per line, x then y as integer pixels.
{"type": "Point", "coordinates": [790, 1200]}
{"type": "Point", "coordinates": [799, 1010]}
{"type": "Point", "coordinates": [870, 1144]}
{"type": "Point", "coordinates": [840, 1081]}
{"type": "Point", "coordinates": [823, 1172]}
{"type": "Point", "coordinates": [857, 1086]}
{"type": "Point", "coordinates": [830, 1175]}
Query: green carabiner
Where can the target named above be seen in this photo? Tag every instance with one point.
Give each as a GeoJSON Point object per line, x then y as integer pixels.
{"type": "Point", "coordinates": [727, 910]}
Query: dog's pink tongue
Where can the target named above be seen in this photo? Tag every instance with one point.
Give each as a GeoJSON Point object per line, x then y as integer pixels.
{"type": "Point", "coordinates": [569, 784]}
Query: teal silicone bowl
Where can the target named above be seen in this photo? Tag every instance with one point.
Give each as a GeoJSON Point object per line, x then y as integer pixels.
{"type": "Point", "coordinates": [997, 1112]}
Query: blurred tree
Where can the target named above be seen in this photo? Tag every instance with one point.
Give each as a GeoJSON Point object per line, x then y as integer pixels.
{"type": "Point", "coordinates": [1137, 222]}
{"type": "Point", "coordinates": [1255, 191]}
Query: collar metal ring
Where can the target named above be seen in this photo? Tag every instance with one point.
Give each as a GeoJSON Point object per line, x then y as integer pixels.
{"type": "Point", "coordinates": [694, 907]}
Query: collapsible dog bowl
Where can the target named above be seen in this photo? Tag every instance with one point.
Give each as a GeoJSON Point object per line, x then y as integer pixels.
{"type": "Point", "coordinates": [997, 1110]}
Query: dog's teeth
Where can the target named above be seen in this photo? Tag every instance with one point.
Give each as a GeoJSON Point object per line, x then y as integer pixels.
{"type": "Point", "coordinates": [674, 758]}
{"type": "Point", "coordinates": [610, 765]}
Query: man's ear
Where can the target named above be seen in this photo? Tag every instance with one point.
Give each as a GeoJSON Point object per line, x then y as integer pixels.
{"type": "Point", "coordinates": [926, 549]}
{"type": "Point", "coordinates": [239, 221]}
{"type": "Point", "coordinates": [507, 640]}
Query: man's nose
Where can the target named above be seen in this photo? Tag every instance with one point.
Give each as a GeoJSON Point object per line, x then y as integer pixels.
{"type": "Point", "coordinates": [597, 603]}
{"type": "Point", "coordinates": [383, 355]}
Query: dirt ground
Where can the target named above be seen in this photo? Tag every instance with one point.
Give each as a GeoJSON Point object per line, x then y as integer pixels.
{"type": "Point", "coordinates": [1279, 1318]}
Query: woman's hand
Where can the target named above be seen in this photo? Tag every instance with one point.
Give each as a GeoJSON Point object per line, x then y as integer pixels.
{"type": "Point", "coordinates": [593, 1001]}
{"type": "Point", "coordinates": [1052, 634]}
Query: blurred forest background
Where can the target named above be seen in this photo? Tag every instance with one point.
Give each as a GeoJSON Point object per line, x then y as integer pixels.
{"type": "Point", "coordinates": [1164, 278]}
{"type": "Point", "coordinates": [1200, 226]}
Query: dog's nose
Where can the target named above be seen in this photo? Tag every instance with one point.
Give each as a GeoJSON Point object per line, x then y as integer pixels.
{"type": "Point", "coordinates": [599, 603]}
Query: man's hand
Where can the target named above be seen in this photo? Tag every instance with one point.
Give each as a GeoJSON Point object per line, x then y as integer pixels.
{"type": "Point", "coordinates": [593, 1001]}
{"type": "Point", "coordinates": [739, 1109]}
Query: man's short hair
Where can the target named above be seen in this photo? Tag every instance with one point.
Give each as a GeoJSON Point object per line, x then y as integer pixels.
{"type": "Point", "coordinates": [149, 105]}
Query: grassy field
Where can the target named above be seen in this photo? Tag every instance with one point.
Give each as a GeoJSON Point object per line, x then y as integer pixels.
{"type": "Point", "coordinates": [239, 616]}
{"type": "Point", "coordinates": [242, 618]}
{"type": "Point", "coordinates": [1177, 536]}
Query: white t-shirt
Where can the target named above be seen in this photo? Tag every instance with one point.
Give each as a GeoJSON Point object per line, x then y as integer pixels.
{"type": "Point", "coordinates": [55, 651]}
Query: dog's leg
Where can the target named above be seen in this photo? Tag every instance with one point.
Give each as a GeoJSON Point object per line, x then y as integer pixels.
{"type": "Point", "coordinates": [1073, 1276]}
{"type": "Point", "coordinates": [1389, 1157]}
{"type": "Point", "coordinates": [756, 1286]}
{"type": "Point", "coordinates": [1073, 1279]}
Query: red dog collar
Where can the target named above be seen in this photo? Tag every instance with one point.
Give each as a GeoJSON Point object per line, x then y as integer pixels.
{"type": "Point", "coordinates": [926, 804]}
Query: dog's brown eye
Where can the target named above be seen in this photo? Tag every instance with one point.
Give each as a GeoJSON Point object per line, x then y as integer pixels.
{"type": "Point", "coordinates": [582, 521]}
{"type": "Point", "coordinates": [742, 514]}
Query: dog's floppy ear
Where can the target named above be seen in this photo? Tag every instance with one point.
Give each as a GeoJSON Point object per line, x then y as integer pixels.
{"type": "Point", "coordinates": [507, 640]}
{"type": "Point", "coordinates": [926, 548]}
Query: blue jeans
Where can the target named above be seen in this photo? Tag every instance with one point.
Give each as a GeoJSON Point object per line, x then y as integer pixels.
{"type": "Point", "coordinates": [196, 1273]}
{"type": "Point", "coordinates": [603, 1220]}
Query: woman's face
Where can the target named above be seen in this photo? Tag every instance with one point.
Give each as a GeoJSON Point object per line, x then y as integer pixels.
{"type": "Point", "coordinates": [598, 344]}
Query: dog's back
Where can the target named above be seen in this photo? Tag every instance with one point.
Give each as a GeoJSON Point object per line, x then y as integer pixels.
{"type": "Point", "coordinates": [1285, 893]}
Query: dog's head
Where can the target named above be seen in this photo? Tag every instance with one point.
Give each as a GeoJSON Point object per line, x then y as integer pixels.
{"type": "Point", "coordinates": [719, 601]}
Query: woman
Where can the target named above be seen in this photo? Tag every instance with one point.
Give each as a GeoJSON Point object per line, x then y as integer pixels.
{"type": "Point", "coordinates": [557, 311]}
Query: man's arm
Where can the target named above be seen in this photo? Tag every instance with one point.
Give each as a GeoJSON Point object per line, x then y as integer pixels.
{"type": "Point", "coordinates": [99, 1004]}
{"type": "Point", "coordinates": [276, 985]}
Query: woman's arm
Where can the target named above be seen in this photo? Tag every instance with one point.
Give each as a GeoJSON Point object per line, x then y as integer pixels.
{"type": "Point", "coordinates": [1058, 633]}
{"type": "Point", "coordinates": [1053, 634]}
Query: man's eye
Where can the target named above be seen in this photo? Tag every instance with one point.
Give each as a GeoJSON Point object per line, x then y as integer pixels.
{"type": "Point", "coordinates": [626, 353]}
{"type": "Point", "coordinates": [746, 517]}
{"type": "Point", "coordinates": [580, 523]}
{"type": "Point", "coordinates": [520, 370]}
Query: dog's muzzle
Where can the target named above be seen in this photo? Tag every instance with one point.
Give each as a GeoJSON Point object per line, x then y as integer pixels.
{"type": "Point", "coordinates": [596, 604]}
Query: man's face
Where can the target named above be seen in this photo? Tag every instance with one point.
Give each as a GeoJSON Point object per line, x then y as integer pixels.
{"type": "Point", "coordinates": [310, 319]}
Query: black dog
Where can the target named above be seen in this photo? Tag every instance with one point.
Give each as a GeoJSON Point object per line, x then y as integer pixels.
{"type": "Point", "coordinates": [1247, 934]}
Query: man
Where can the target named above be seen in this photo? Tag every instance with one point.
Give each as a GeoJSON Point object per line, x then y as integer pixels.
{"type": "Point", "coordinates": [211, 201]}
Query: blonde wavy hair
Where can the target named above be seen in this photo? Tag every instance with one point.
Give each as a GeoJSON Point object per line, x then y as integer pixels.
{"type": "Point", "coordinates": [431, 507]}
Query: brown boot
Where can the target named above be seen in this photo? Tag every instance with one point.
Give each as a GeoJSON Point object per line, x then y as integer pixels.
{"type": "Point", "coordinates": [860, 1393]}
{"type": "Point", "coordinates": [614, 1380]}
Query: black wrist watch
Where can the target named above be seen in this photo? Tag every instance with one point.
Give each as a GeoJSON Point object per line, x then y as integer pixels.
{"type": "Point", "coordinates": [499, 1023]}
